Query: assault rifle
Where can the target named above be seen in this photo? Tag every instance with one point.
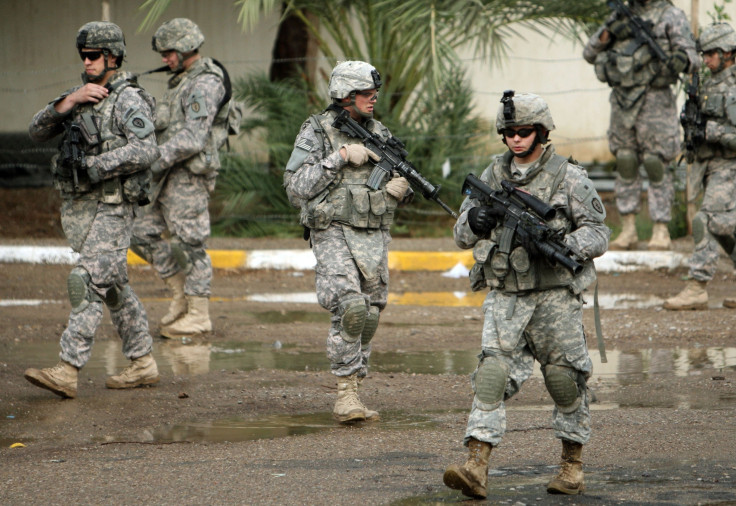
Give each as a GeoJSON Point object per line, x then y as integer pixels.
{"type": "Point", "coordinates": [691, 118]}
{"type": "Point", "coordinates": [641, 29]}
{"type": "Point", "coordinates": [393, 158]}
{"type": "Point", "coordinates": [71, 158]}
{"type": "Point", "coordinates": [526, 216]}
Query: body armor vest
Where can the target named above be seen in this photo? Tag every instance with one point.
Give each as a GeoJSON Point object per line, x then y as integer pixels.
{"type": "Point", "coordinates": [348, 199]}
{"type": "Point", "coordinates": [171, 117]}
{"type": "Point", "coordinates": [718, 103]}
{"type": "Point", "coordinates": [505, 263]}
{"type": "Point", "coordinates": [101, 135]}
{"type": "Point", "coordinates": [630, 64]}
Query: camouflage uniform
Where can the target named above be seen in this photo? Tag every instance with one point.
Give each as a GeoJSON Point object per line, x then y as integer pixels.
{"type": "Point", "coordinates": [538, 316]}
{"type": "Point", "coordinates": [184, 120]}
{"type": "Point", "coordinates": [349, 231]}
{"type": "Point", "coordinates": [644, 125]}
{"type": "Point", "coordinates": [97, 216]}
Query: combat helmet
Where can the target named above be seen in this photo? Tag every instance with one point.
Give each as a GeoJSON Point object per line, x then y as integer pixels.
{"type": "Point", "coordinates": [717, 36]}
{"type": "Point", "coordinates": [102, 35]}
{"type": "Point", "coordinates": [179, 34]}
{"type": "Point", "coordinates": [350, 76]}
{"type": "Point", "coordinates": [523, 109]}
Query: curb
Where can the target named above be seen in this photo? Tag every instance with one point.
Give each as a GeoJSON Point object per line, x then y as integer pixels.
{"type": "Point", "coordinates": [303, 259]}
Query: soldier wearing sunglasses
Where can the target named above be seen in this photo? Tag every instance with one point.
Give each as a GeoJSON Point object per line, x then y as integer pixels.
{"type": "Point", "coordinates": [103, 173]}
{"type": "Point", "coordinates": [533, 310]}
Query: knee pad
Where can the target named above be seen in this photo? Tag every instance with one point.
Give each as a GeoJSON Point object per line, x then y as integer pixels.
{"type": "Point", "coordinates": [142, 249]}
{"type": "Point", "coordinates": [490, 383]}
{"type": "Point", "coordinates": [370, 326]}
{"type": "Point", "coordinates": [700, 225]}
{"type": "Point", "coordinates": [181, 253]}
{"type": "Point", "coordinates": [352, 313]}
{"type": "Point", "coordinates": [115, 296]}
{"type": "Point", "coordinates": [563, 385]}
{"type": "Point", "coordinates": [77, 285]}
{"type": "Point", "coordinates": [654, 166]}
{"type": "Point", "coordinates": [627, 164]}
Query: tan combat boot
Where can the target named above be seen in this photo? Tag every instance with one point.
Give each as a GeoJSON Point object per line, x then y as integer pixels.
{"type": "Point", "coordinates": [178, 306]}
{"type": "Point", "coordinates": [472, 477]}
{"type": "Point", "coordinates": [60, 379]}
{"type": "Point", "coordinates": [660, 240]}
{"type": "Point", "coordinates": [693, 296]}
{"type": "Point", "coordinates": [627, 239]}
{"type": "Point", "coordinates": [570, 478]}
{"type": "Point", "coordinates": [369, 413]}
{"type": "Point", "coordinates": [348, 407]}
{"type": "Point", "coordinates": [729, 302]}
{"type": "Point", "coordinates": [141, 371]}
{"type": "Point", "coordinates": [195, 322]}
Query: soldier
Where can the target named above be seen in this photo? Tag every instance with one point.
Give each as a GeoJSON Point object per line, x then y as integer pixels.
{"type": "Point", "coordinates": [103, 174]}
{"type": "Point", "coordinates": [190, 128]}
{"type": "Point", "coordinates": [714, 170]}
{"type": "Point", "coordinates": [644, 128]}
{"type": "Point", "coordinates": [348, 225]}
{"type": "Point", "coordinates": [534, 309]}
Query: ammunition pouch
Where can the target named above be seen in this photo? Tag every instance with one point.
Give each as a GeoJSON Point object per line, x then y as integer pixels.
{"type": "Point", "coordinates": [353, 204]}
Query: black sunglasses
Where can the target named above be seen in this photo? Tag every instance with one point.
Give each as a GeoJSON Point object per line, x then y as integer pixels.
{"type": "Point", "coordinates": [90, 55]}
{"type": "Point", "coordinates": [522, 132]}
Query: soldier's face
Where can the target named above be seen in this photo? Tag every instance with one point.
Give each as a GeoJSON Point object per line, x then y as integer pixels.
{"type": "Point", "coordinates": [170, 58]}
{"type": "Point", "coordinates": [714, 62]}
{"type": "Point", "coordinates": [520, 139]}
{"type": "Point", "coordinates": [364, 101]}
{"type": "Point", "coordinates": [94, 61]}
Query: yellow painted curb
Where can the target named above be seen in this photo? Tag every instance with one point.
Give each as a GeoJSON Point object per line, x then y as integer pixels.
{"type": "Point", "coordinates": [428, 260]}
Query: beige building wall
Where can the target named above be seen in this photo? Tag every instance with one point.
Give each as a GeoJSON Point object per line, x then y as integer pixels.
{"type": "Point", "coordinates": [38, 60]}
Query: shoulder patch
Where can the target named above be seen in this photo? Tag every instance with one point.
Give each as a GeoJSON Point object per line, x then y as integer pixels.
{"type": "Point", "coordinates": [196, 105]}
{"type": "Point", "coordinates": [138, 123]}
{"type": "Point", "coordinates": [305, 144]}
{"type": "Point", "coordinates": [585, 193]}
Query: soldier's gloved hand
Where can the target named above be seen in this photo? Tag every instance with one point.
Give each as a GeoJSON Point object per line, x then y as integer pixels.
{"type": "Point", "coordinates": [620, 29]}
{"type": "Point", "coordinates": [357, 154]}
{"type": "Point", "coordinates": [712, 133]}
{"type": "Point", "coordinates": [397, 187]}
{"type": "Point", "coordinates": [92, 171]}
{"type": "Point", "coordinates": [678, 61]}
{"type": "Point", "coordinates": [481, 219]}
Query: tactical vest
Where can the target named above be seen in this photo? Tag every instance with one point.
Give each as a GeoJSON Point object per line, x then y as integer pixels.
{"type": "Point", "coordinates": [502, 262]}
{"type": "Point", "coordinates": [171, 117]}
{"type": "Point", "coordinates": [630, 64]}
{"type": "Point", "coordinates": [100, 133]}
{"type": "Point", "coordinates": [348, 199]}
{"type": "Point", "coordinates": [718, 103]}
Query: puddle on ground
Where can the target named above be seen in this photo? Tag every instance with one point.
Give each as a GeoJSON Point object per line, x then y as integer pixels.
{"type": "Point", "coordinates": [191, 357]}
{"type": "Point", "coordinates": [240, 429]}
{"type": "Point", "coordinates": [443, 299]}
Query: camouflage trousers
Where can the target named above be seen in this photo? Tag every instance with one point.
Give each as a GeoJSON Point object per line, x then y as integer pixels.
{"type": "Point", "coordinates": [103, 256]}
{"type": "Point", "coordinates": [649, 127]}
{"type": "Point", "coordinates": [716, 217]}
{"type": "Point", "coordinates": [180, 213]}
{"type": "Point", "coordinates": [546, 326]}
{"type": "Point", "coordinates": [338, 278]}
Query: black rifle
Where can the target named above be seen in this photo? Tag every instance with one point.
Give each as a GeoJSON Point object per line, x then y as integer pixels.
{"type": "Point", "coordinates": [526, 216]}
{"type": "Point", "coordinates": [641, 29]}
{"type": "Point", "coordinates": [71, 158]}
{"type": "Point", "coordinates": [393, 158]}
{"type": "Point", "coordinates": [691, 118]}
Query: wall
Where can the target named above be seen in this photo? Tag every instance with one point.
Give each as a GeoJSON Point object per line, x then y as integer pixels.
{"type": "Point", "coordinates": [38, 60]}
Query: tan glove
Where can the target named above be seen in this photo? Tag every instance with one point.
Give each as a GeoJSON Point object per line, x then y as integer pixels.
{"type": "Point", "coordinates": [357, 154]}
{"type": "Point", "coordinates": [397, 187]}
